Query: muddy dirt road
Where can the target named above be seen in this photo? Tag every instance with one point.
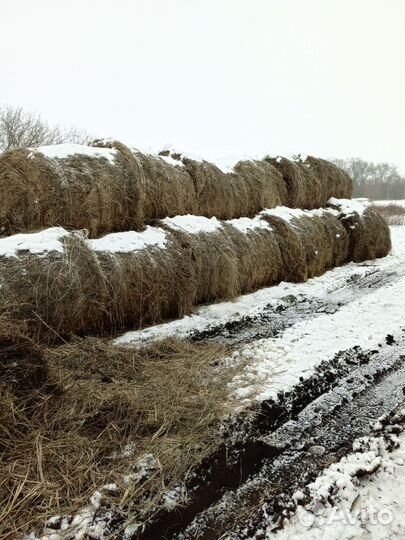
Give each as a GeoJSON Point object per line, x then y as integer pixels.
{"type": "Point", "coordinates": [252, 480]}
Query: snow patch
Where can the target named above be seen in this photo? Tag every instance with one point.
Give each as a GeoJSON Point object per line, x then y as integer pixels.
{"type": "Point", "coordinates": [246, 224]}
{"type": "Point", "coordinates": [278, 363]}
{"type": "Point", "coordinates": [128, 242]}
{"type": "Point", "coordinates": [344, 506]}
{"type": "Point", "coordinates": [39, 243]}
{"type": "Point", "coordinates": [349, 206]}
{"type": "Point", "coordinates": [63, 151]}
{"type": "Point", "coordinates": [193, 224]}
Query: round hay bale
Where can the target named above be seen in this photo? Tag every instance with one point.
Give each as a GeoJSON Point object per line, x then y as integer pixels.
{"type": "Point", "coordinates": [30, 194]}
{"type": "Point", "coordinates": [368, 233]}
{"type": "Point", "coordinates": [324, 240]}
{"type": "Point", "coordinates": [259, 259]}
{"type": "Point", "coordinates": [147, 286]}
{"type": "Point", "coordinates": [301, 194]}
{"type": "Point", "coordinates": [70, 185]}
{"type": "Point", "coordinates": [169, 189]}
{"type": "Point", "coordinates": [334, 181]}
{"type": "Point", "coordinates": [218, 194]}
{"type": "Point", "coordinates": [292, 251]}
{"type": "Point", "coordinates": [57, 292]}
{"type": "Point", "coordinates": [265, 184]}
{"type": "Point", "coordinates": [215, 266]}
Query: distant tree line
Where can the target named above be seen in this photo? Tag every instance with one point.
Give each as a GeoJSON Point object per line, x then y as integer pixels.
{"type": "Point", "coordinates": [24, 129]}
{"type": "Point", "coordinates": [378, 181]}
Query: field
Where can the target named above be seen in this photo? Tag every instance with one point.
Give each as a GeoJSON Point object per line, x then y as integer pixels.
{"type": "Point", "coordinates": [392, 211]}
{"type": "Point", "coordinates": [177, 376]}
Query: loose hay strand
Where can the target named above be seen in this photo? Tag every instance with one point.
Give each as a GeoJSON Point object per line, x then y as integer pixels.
{"type": "Point", "coordinates": [69, 434]}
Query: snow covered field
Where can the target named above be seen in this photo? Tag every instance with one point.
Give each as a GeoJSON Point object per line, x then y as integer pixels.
{"type": "Point", "coordinates": [400, 202]}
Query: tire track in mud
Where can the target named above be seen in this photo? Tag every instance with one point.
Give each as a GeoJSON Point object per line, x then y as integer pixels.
{"type": "Point", "coordinates": [292, 309]}
{"type": "Point", "coordinates": [272, 455]}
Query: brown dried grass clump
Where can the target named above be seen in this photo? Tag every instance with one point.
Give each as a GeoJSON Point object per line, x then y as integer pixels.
{"type": "Point", "coordinates": [22, 364]}
{"type": "Point", "coordinates": [102, 409]}
{"type": "Point", "coordinates": [78, 192]}
{"type": "Point", "coordinates": [369, 235]}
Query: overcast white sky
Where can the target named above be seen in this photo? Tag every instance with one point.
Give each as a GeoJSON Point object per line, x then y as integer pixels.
{"type": "Point", "coordinates": [214, 77]}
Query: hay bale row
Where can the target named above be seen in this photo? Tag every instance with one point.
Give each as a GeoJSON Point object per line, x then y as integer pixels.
{"type": "Point", "coordinates": [61, 283]}
{"type": "Point", "coordinates": [108, 187]}
{"type": "Point", "coordinates": [311, 181]}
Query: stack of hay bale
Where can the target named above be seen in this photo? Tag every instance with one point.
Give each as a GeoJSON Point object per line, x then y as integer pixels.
{"type": "Point", "coordinates": [97, 238]}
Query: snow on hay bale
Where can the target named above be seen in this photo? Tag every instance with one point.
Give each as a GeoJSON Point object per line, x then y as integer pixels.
{"type": "Point", "coordinates": [62, 283]}
{"type": "Point", "coordinates": [368, 232]}
{"type": "Point", "coordinates": [99, 189]}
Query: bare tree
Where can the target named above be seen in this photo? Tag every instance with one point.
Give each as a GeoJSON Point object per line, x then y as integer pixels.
{"type": "Point", "coordinates": [373, 180]}
{"type": "Point", "coordinates": [23, 129]}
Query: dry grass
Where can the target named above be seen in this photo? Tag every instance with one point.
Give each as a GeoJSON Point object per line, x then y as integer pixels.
{"type": "Point", "coordinates": [325, 242]}
{"type": "Point", "coordinates": [311, 183]}
{"type": "Point", "coordinates": [394, 214]}
{"type": "Point", "coordinates": [79, 192]}
{"type": "Point", "coordinates": [335, 182]}
{"type": "Point", "coordinates": [369, 235]}
{"type": "Point", "coordinates": [68, 435]}
{"type": "Point", "coordinates": [89, 192]}
{"type": "Point", "coordinates": [82, 291]}
{"type": "Point", "coordinates": [169, 190]}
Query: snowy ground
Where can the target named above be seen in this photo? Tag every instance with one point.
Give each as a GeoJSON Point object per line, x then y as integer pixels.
{"type": "Point", "coordinates": [346, 505]}
{"type": "Point", "coordinates": [388, 203]}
